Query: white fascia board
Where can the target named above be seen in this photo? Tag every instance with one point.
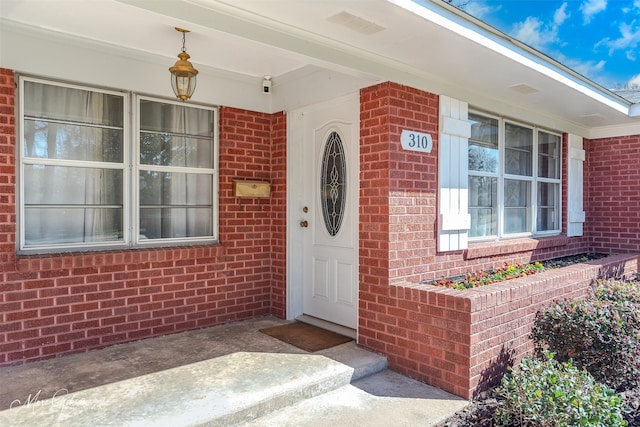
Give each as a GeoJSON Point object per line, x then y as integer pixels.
{"type": "Point", "coordinates": [507, 47]}
{"type": "Point", "coordinates": [614, 131]}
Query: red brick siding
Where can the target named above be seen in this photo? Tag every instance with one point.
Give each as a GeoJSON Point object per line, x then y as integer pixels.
{"type": "Point", "coordinates": [408, 182]}
{"type": "Point", "coordinates": [424, 334]}
{"type": "Point", "coordinates": [7, 167]}
{"type": "Point", "coordinates": [613, 186]}
{"type": "Point", "coordinates": [57, 304]}
{"type": "Point", "coordinates": [374, 185]}
{"type": "Point", "coordinates": [279, 214]}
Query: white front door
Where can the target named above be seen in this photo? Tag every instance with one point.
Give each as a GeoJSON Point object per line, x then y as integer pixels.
{"type": "Point", "coordinates": [324, 182]}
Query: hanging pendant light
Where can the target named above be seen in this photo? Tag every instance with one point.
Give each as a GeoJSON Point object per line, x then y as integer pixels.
{"type": "Point", "coordinates": [183, 75]}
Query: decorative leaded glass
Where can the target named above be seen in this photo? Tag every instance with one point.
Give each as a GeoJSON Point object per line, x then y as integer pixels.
{"type": "Point", "coordinates": [333, 183]}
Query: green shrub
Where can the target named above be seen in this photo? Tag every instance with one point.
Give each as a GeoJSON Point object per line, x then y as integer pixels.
{"type": "Point", "coordinates": [600, 333]}
{"type": "Point", "coordinates": [548, 393]}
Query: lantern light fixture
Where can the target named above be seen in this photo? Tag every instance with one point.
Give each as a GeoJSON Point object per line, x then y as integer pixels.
{"type": "Point", "coordinates": [183, 75]}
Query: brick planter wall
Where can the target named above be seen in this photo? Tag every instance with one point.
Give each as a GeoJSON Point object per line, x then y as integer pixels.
{"type": "Point", "coordinates": [462, 341]}
{"type": "Point", "coordinates": [56, 304]}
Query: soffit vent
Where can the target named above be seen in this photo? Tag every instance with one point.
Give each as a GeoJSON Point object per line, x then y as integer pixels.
{"type": "Point", "coordinates": [593, 119]}
{"type": "Point", "coordinates": [524, 88]}
{"type": "Point", "coordinates": [355, 23]}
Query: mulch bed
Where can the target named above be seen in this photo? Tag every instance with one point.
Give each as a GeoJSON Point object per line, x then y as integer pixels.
{"type": "Point", "coordinates": [571, 259]}
{"type": "Point", "coordinates": [547, 264]}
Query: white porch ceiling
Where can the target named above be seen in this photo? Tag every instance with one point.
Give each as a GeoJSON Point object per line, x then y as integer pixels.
{"type": "Point", "coordinates": [316, 49]}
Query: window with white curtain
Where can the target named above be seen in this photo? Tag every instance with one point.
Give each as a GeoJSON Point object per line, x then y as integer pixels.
{"type": "Point", "coordinates": [514, 179]}
{"type": "Point", "coordinates": [93, 176]}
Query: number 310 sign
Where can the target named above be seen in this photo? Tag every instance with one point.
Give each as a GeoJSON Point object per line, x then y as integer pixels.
{"type": "Point", "coordinates": [416, 141]}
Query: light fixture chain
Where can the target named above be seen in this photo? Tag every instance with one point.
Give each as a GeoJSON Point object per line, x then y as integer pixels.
{"type": "Point", "coordinates": [183, 75]}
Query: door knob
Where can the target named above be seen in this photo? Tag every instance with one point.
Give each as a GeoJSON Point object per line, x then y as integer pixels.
{"type": "Point", "coordinates": [304, 224]}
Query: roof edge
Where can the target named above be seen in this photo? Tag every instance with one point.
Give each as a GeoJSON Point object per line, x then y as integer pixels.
{"type": "Point", "coordinates": [465, 25]}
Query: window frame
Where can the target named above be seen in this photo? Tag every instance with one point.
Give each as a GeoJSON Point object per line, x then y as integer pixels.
{"type": "Point", "coordinates": [130, 166]}
{"type": "Point", "coordinates": [533, 181]}
{"type": "Point", "coordinates": [138, 167]}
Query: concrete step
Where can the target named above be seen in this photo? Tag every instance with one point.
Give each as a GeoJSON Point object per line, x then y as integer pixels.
{"type": "Point", "coordinates": [363, 362]}
{"type": "Point", "coordinates": [224, 391]}
{"type": "Point", "coordinates": [384, 399]}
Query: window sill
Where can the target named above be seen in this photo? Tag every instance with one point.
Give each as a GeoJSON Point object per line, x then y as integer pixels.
{"type": "Point", "coordinates": [504, 247]}
{"type": "Point", "coordinates": [98, 258]}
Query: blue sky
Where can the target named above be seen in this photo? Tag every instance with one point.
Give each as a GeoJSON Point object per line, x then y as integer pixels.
{"type": "Point", "coordinates": [600, 39]}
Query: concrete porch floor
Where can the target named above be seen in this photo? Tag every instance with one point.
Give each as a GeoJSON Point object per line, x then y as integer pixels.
{"type": "Point", "coordinates": [371, 395]}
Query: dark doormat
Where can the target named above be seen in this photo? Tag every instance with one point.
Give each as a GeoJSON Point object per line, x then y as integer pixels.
{"type": "Point", "coordinates": [307, 337]}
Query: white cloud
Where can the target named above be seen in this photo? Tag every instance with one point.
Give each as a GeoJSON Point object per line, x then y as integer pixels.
{"type": "Point", "coordinates": [592, 69]}
{"type": "Point", "coordinates": [480, 9]}
{"type": "Point", "coordinates": [561, 15]}
{"type": "Point", "coordinates": [628, 41]}
{"type": "Point", "coordinates": [589, 69]}
{"type": "Point", "coordinates": [590, 8]}
{"type": "Point", "coordinates": [635, 82]}
{"type": "Point", "coordinates": [635, 5]}
{"type": "Point", "coordinates": [529, 31]}
{"type": "Point", "coordinates": [536, 33]}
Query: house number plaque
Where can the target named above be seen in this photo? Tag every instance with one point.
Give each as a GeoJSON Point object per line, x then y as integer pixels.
{"type": "Point", "coordinates": [416, 141]}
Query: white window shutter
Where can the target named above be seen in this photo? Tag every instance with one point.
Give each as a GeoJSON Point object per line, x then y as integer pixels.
{"type": "Point", "coordinates": [575, 208]}
{"type": "Point", "coordinates": [454, 220]}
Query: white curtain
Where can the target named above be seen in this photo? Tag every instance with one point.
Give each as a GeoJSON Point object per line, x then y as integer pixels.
{"type": "Point", "coordinates": [96, 221]}
{"type": "Point", "coordinates": [56, 120]}
{"type": "Point", "coordinates": [181, 138]}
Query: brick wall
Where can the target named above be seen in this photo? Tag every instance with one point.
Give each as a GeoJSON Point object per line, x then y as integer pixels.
{"type": "Point", "coordinates": [398, 197]}
{"type": "Point", "coordinates": [57, 304]}
{"type": "Point", "coordinates": [374, 192]}
{"type": "Point", "coordinates": [7, 169]}
{"type": "Point", "coordinates": [278, 226]}
{"type": "Point", "coordinates": [422, 333]}
{"type": "Point", "coordinates": [613, 188]}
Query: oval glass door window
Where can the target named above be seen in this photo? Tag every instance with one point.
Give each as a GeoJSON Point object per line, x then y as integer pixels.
{"type": "Point", "coordinates": [333, 183]}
